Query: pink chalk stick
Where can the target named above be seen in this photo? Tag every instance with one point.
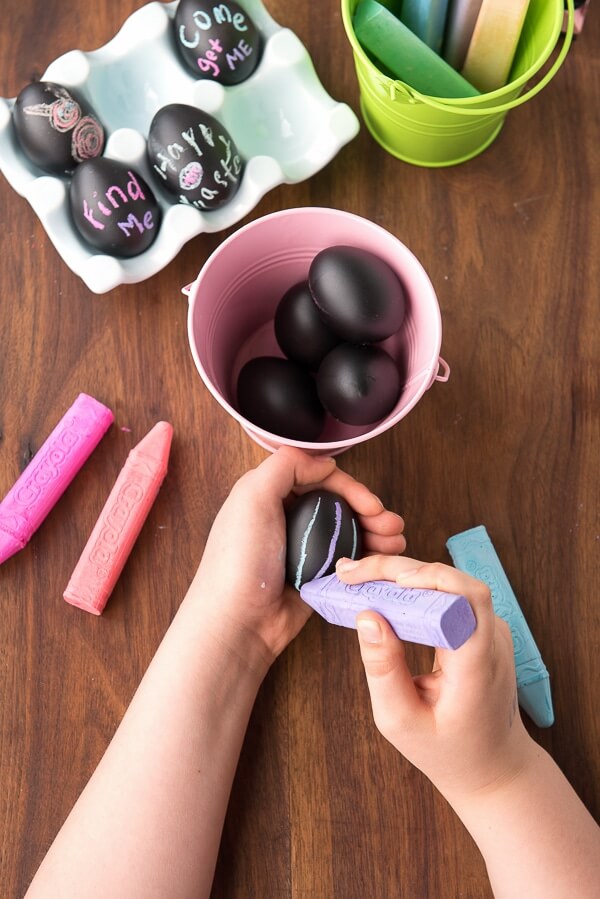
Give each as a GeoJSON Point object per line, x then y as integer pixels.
{"type": "Point", "coordinates": [120, 521]}
{"type": "Point", "coordinates": [50, 472]}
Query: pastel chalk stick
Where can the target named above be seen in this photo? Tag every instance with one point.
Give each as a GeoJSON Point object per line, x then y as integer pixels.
{"type": "Point", "coordinates": [405, 55]}
{"type": "Point", "coordinates": [50, 472]}
{"type": "Point", "coordinates": [430, 617]}
{"type": "Point", "coordinates": [460, 24]}
{"type": "Point", "coordinates": [426, 19]}
{"type": "Point", "coordinates": [472, 551]}
{"type": "Point", "coordinates": [494, 42]}
{"type": "Point", "coordinates": [120, 521]}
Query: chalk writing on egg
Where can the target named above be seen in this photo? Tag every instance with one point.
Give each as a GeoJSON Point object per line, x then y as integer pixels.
{"type": "Point", "coordinates": [113, 208]}
{"type": "Point", "coordinates": [195, 159]}
{"type": "Point", "coordinates": [217, 41]}
{"type": "Point", "coordinates": [117, 197]}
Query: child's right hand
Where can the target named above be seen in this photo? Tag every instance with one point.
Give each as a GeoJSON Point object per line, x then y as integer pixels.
{"type": "Point", "coordinates": [459, 724]}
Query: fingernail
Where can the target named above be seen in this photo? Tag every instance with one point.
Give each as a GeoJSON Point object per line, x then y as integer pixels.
{"type": "Point", "coordinates": [379, 501]}
{"type": "Point", "coordinates": [369, 630]}
{"type": "Point", "coordinates": [346, 565]}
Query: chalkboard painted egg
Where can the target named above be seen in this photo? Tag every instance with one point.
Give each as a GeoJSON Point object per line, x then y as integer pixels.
{"type": "Point", "coordinates": [217, 41]}
{"type": "Point", "coordinates": [280, 396]}
{"type": "Point", "coordinates": [56, 129]}
{"type": "Point", "coordinates": [320, 529]}
{"type": "Point", "coordinates": [358, 294]}
{"type": "Point", "coordinates": [358, 385]}
{"type": "Point", "coordinates": [300, 331]}
{"type": "Point", "coordinates": [193, 156]}
{"type": "Point", "coordinates": [113, 208]}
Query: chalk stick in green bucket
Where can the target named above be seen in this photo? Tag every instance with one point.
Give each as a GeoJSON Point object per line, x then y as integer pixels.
{"type": "Point", "coordinates": [405, 55]}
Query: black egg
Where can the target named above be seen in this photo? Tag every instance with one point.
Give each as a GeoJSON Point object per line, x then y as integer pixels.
{"type": "Point", "coordinates": [56, 129]}
{"type": "Point", "coordinates": [359, 296]}
{"type": "Point", "coordinates": [113, 208]}
{"type": "Point", "coordinates": [193, 156]}
{"type": "Point", "coordinates": [358, 385]}
{"type": "Point", "coordinates": [280, 396]}
{"type": "Point", "coordinates": [321, 528]}
{"type": "Point", "coordinates": [300, 331]}
{"type": "Point", "coordinates": [217, 40]}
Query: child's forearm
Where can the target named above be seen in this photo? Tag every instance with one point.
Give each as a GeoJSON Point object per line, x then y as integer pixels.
{"type": "Point", "coordinates": [149, 822]}
{"type": "Point", "coordinates": [536, 836]}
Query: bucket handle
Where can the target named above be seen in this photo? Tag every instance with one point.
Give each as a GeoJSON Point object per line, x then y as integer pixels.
{"type": "Point", "coordinates": [414, 96]}
{"type": "Point", "coordinates": [445, 374]}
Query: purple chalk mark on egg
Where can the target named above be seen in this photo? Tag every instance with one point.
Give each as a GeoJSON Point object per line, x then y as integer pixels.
{"type": "Point", "coordinates": [298, 581]}
{"type": "Point", "coordinates": [333, 542]}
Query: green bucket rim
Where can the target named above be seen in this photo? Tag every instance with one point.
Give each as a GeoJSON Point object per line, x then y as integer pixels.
{"type": "Point", "coordinates": [467, 105]}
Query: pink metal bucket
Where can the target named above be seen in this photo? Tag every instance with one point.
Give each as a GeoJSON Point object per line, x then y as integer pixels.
{"type": "Point", "coordinates": [232, 303]}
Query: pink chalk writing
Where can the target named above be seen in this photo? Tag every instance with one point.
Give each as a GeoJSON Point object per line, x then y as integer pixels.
{"type": "Point", "coordinates": [208, 62]}
{"type": "Point", "coordinates": [116, 197]}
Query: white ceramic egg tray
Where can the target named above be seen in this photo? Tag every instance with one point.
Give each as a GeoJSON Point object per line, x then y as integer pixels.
{"type": "Point", "coordinates": [285, 126]}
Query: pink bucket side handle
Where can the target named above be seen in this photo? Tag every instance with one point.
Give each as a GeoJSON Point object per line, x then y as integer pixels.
{"type": "Point", "coordinates": [445, 374]}
{"type": "Point", "coordinates": [186, 290]}
{"type": "Point", "coordinates": [442, 375]}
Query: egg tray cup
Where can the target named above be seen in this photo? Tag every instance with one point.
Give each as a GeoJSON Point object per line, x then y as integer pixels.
{"type": "Point", "coordinates": [284, 124]}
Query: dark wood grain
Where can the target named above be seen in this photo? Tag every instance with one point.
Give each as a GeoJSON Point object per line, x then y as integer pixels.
{"type": "Point", "coordinates": [321, 807]}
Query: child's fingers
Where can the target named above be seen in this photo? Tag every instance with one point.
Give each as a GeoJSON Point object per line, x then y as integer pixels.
{"type": "Point", "coordinates": [396, 703]}
{"type": "Point", "coordinates": [385, 523]}
{"type": "Point", "coordinates": [431, 576]}
{"type": "Point", "coordinates": [288, 468]}
{"type": "Point", "coordinates": [376, 543]}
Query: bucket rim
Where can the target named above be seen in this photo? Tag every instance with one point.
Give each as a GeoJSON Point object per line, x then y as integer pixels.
{"type": "Point", "coordinates": [471, 105]}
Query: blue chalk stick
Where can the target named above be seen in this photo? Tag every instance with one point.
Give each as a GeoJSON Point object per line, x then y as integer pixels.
{"type": "Point", "coordinates": [473, 552]}
{"type": "Point", "coordinates": [426, 19]}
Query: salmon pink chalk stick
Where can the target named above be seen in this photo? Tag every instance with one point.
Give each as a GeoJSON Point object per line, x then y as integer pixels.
{"type": "Point", "coordinates": [120, 521]}
{"type": "Point", "coordinates": [50, 472]}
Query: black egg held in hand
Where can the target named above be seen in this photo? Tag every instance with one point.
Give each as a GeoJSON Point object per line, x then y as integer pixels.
{"type": "Point", "coordinates": [359, 295]}
{"type": "Point", "coordinates": [193, 156]}
{"type": "Point", "coordinates": [113, 208]}
{"type": "Point", "coordinates": [300, 331]}
{"type": "Point", "coordinates": [281, 397]}
{"type": "Point", "coordinates": [321, 528]}
{"type": "Point", "coordinates": [358, 385]}
{"type": "Point", "coordinates": [56, 129]}
{"type": "Point", "coordinates": [218, 41]}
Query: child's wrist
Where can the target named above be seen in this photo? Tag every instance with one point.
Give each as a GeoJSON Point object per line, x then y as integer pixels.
{"type": "Point", "coordinates": [217, 632]}
{"type": "Point", "coordinates": [520, 764]}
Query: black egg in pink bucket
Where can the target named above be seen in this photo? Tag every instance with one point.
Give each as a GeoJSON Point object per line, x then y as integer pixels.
{"type": "Point", "coordinates": [280, 396]}
{"type": "Point", "coordinates": [359, 296]}
{"type": "Point", "coordinates": [300, 329]}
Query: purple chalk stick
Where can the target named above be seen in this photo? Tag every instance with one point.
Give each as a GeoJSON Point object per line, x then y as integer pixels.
{"type": "Point", "coordinates": [431, 617]}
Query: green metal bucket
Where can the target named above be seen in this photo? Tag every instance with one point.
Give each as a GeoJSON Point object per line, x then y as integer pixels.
{"type": "Point", "coordinates": [434, 131]}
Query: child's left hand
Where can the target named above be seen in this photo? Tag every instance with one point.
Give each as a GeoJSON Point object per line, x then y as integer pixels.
{"type": "Point", "coordinates": [239, 587]}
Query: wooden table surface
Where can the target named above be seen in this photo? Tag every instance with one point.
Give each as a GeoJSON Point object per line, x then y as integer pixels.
{"type": "Point", "coordinates": [322, 806]}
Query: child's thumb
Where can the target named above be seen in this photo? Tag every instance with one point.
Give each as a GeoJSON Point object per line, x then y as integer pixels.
{"type": "Point", "coordinates": [394, 697]}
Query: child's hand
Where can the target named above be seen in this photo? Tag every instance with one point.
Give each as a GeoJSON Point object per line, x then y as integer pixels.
{"type": "Point", "coordinates": [459, 724]}
{"type": "Point", "coordinates": [240, 585]}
